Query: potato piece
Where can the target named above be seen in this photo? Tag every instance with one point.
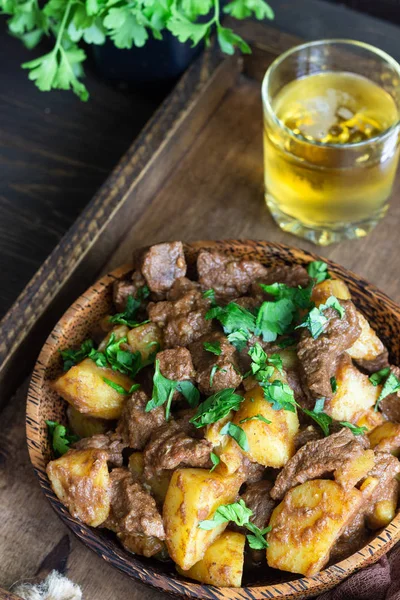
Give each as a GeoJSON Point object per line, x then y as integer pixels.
{"type": "Point", "coordinates": [386, 438]}
{"type": "Point", "coordinates": [355, 394]}
{"type": "Point", "coordinates": [194, 495]}
{"type": "Point", "coordinates": [368, 346]}
{"type": "Point", "coordinates": [270, 445]}
{"type": "Point", "coordinates": [222, 564]}
{"type": "Point", "coordinates": [330, 287]}
{"type": "Point", "coordinates": [83, 386]}
{"type": "Point", "coordinates": [351, 472]}
{"type": "Point", "coordinates": [81, 481]}
{"type": "Point", "coordinates": [85, 426]}
{"type": "Point", "coordinates": [229, 454]}
{"type": "Point", "coordinates": [119, 332]}
{"type": "Point", "coordinates": [146, 339]}
{"type": "Point", "coordinates": [383, 513]}
{"type": "Point", "coordinates": [369, 419]}
{"type": "Point", "coordinates": [307, 523]}
{"type": "Point", "coordinates": [158, 485]}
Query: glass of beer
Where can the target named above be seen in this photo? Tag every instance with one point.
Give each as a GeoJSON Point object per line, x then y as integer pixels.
{"type": "Point", "coordinates": [331, 138]}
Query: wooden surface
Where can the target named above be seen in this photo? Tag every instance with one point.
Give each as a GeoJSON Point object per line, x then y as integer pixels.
{"type": "Point", "coordinates": [207, 186]}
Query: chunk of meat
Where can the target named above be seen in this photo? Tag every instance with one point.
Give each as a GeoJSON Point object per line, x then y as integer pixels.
{"type": "Point", "coordinates": [375, 364]}
{"type": "Point", "coordinates": [176, 364]}
{"type": "Point", "coordinates": [182, 321]}
{"type": "Point", "coordinates": [251, 471]}
{"type": "Point", "coordinates": [354, 537]}
{"type": "Point", "coordinates": [390, 406]}
{"type": "Point", "coordinates": [182, 286]}
{"type": "Point", "coordinates": [136, 425]}
{"type": "Point", "coordinates": [318, 357]}
{"type": "Point", "coordinates": [317, 459]}
{"type": "Point", "coordinates": [127, 287]}
{"type": "Point", "coordinates": [133, 511]}
{"type": "Point", "coordinates": [162, 264]}
{"type": "Point", "coordinates": [215, 372]}
{"type": "Point", "coordinates": [305, 435]}
{"type": "Point", "coordinates": [293, 276]}
{"type": "Point", "coordinates": [110, 442]}
{"type": "Point", "coordinates": [227, 276]}
{"type": "Point", "coordinates": [170, 448]}
{"type": "Point", "coordinates": [257, 498]}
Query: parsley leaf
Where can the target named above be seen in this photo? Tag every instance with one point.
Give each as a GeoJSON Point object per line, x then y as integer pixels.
{"type": "Point", "coordinates": [274, 318]}
{"type": "Point", "coordinates": [213, 347]}
{"type": "Point", "coordinates": [240, 514]}
{"type": "Point", "coordinates": [164, 389]}
{"type": "Point", "coordinates": [333, 302]}
{"type": "Point", "coordinates": [128, 316]}
{"type": "Point", "coordinates": [379, 376]}
{"type": "Point", "coordinates": [211, 295]}
{"type": "Point", "coordinates": [301, 297]}
{"type": "Point", "coordinates": [215, 461]}
{"type": "Point", "coordinates": [356, 430]}
{"type": "Point", "coordinates": [280, 395]}
{"type": "Point", "coordinates": [229, 40]}
{"type": "Point", "coordinates": [391, 386]}
{"type": "Point", "coordinates": [118, 388]}
{"type": "Point", "coordinates": [321, 418]}
{"type": "Point", "coordinates": [233, 317]}
{"type": "Point", "coordinates": [333, 385]}
{"type": "Point", "coordinates": [318, 270]}
{"type": "Point", "coordinates": [216, 407]}
{"type": "Point", "coordinates": [61, 437]}
{"type": "Point", "coordinates": [237, 433]}
{"type": "Point", "coordinates": [126, 26]}
{"type": "Point", "coordinates": [124, 361]}
{"type": "Point", "coordinates": [262, 366]}
{"type": "Point", "coordinates": [239, 339]}
{"type": "Point", "coordinates": [72, 357]}
{"type": "Point", "coordinates": [316, 321]}
{"type": "Point", "coordinates": [256, 417]}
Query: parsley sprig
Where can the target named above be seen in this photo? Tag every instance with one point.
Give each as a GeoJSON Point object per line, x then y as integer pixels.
{"type": "Point", "coordinates": [240, 514]}
{"type": "Point", "coordinates": [128, 316]}
{"type": "Point", "coordinates": [325, 421]}
{"type": "Point", "coordinates": [164, 390]}
{"type": "Point", "coordinates": [391, 384]}
{"type": "Point", "coordinates": [61, 437]}
{"type": "Point", "coordinates": [318, 271]}
{"type": "Point", "coordinates": [72, 357]}
{"type": "Point", "coordinates": [216, 407]}
{"type": "Point", "coordinates": [316, 320]}
{"type": "Point", "coordinates": [126, 23]}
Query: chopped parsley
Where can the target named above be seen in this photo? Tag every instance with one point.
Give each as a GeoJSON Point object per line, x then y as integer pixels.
{"type": "Point", "coordinates": [73, 357]}
{"type": "Point", "coordinates": [274, 318]}
{"type": "Point", "coordinates": [210, 294]}
{"type": "Point", "coordinates": [316, 320]}
{"type": "Point", "coordinates": [215, 461]}
{"type": "Point", "coordinates": [300, 297]}
{"type": "Point", "coordinates": [353, 428]}
{"type": "Point", "coordinates": [238, 513]}
{"type": "Point", "coordinates": [256, 418]}
{"type": "Point", "coordinates": [319, 416]}
{"type": "Point", "coordinates": [164, 389]}
{"type": "Point", "coordinates": [237, 433]}
{"type": "Point", "coordinates": [239, 339]}
{"type": "Point", "coordinates": [216, 407]}
{"type": "Point", "coordinates": [128, 316]}
{"type": "Point", "coordinates": [318, 270]}
{"type": "Point", "coordinates": [61, 437]}
{"type": "Point", "coordinates": [214, 369]}
{"type": "Point", "coordinates": [391, 386]}
{"type": "Point", "coordinates": [286, 342]}
{"type": "Point", "coordinates": [233, 317]}
{"type": "Point", "coordinates": [118, 388]}
{"type": "Point", "coordinates": [280, 395]}
{"type": "Point", "coordinates": [379, 376]}
{"type": "Point", "coordinates": [333, 385]}
{"type": "Point", "coordinates": [213, 347]}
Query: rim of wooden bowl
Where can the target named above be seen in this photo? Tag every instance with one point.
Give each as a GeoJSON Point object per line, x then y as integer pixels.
{"type": "Point", "coordinates": [141, 569]}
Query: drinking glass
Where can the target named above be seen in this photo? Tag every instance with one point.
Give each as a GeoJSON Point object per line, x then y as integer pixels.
{"type": "Point", "coordinates": [331, 138]}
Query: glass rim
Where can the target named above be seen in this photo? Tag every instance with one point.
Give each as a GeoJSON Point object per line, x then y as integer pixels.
{"type": "Point", "coordinates": [329, 41]}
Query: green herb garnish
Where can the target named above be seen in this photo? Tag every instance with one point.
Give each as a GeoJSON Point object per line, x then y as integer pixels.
{"type": "Point", "coordinates": [215, 461]}
{"type": "Point", "coordinates": [379, 376]}
{"type": "Point", "coordinates": [300, 297]}
{"type": "Point", "coordinates": [333, 385]}
{"type": "Point", "coordinates": [353, 428]}
{"type": "Point", "coordinates": [237, 433]}
{"type": "Point", "coordinates": [274, 318]}
{"type": "Point", "coordinates": [61, 437]}
{"type": "Point", "coordinates": [256, 418]}
{"type": "Point", "coordinates": [216, 407]}
{"type": "Point", "coordinates": [319, 416]}
{"type": "Point", "coordinates": [210, 294]}
{"type": "Point", "coordinates": [233, 317]}
{"type": "Point", "coordinates": [239, 514]}
{"type": "Point", "coordinates": [316, 320]}
{"type": "Point", "coordinates": [164, 389]}
{"type": "Point", "coordinates": [391, 386]}
{"type": "Point", "coordinates": [128, 316]}
{"type": "Point", "coordinates": [239, 339]}
{"type": "Point", "coordinates": [318, 270]}
{"type": "Point", "coordinates": [213, 347]}
{"type": "Point", "coordinates": [118, 388]}
{"type": "Point", "coordinates": [73, 357]}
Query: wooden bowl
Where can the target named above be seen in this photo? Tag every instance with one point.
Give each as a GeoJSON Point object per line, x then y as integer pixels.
{"type": "Point", "coordinates": [43, 403]}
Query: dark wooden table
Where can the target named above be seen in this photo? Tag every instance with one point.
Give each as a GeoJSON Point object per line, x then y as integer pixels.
{"type": "Point", "coordinates": [52, 162]}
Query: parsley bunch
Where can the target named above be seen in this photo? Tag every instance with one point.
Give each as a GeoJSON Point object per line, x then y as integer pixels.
{"type": "Point", "coordinates": [61, 437]}
{"type": "Point", "coordinates": [127, 23]}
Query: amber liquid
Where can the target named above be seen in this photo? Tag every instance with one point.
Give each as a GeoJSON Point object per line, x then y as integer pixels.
{"type": "Point", "coordinates": [316, 170]}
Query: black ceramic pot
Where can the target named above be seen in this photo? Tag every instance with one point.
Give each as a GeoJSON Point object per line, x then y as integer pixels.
{"type": "Point", "coordinates": [157, 63]}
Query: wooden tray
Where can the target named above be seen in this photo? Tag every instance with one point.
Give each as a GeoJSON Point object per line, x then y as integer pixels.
{"type": "Point", "coordinates": [195, 172]}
